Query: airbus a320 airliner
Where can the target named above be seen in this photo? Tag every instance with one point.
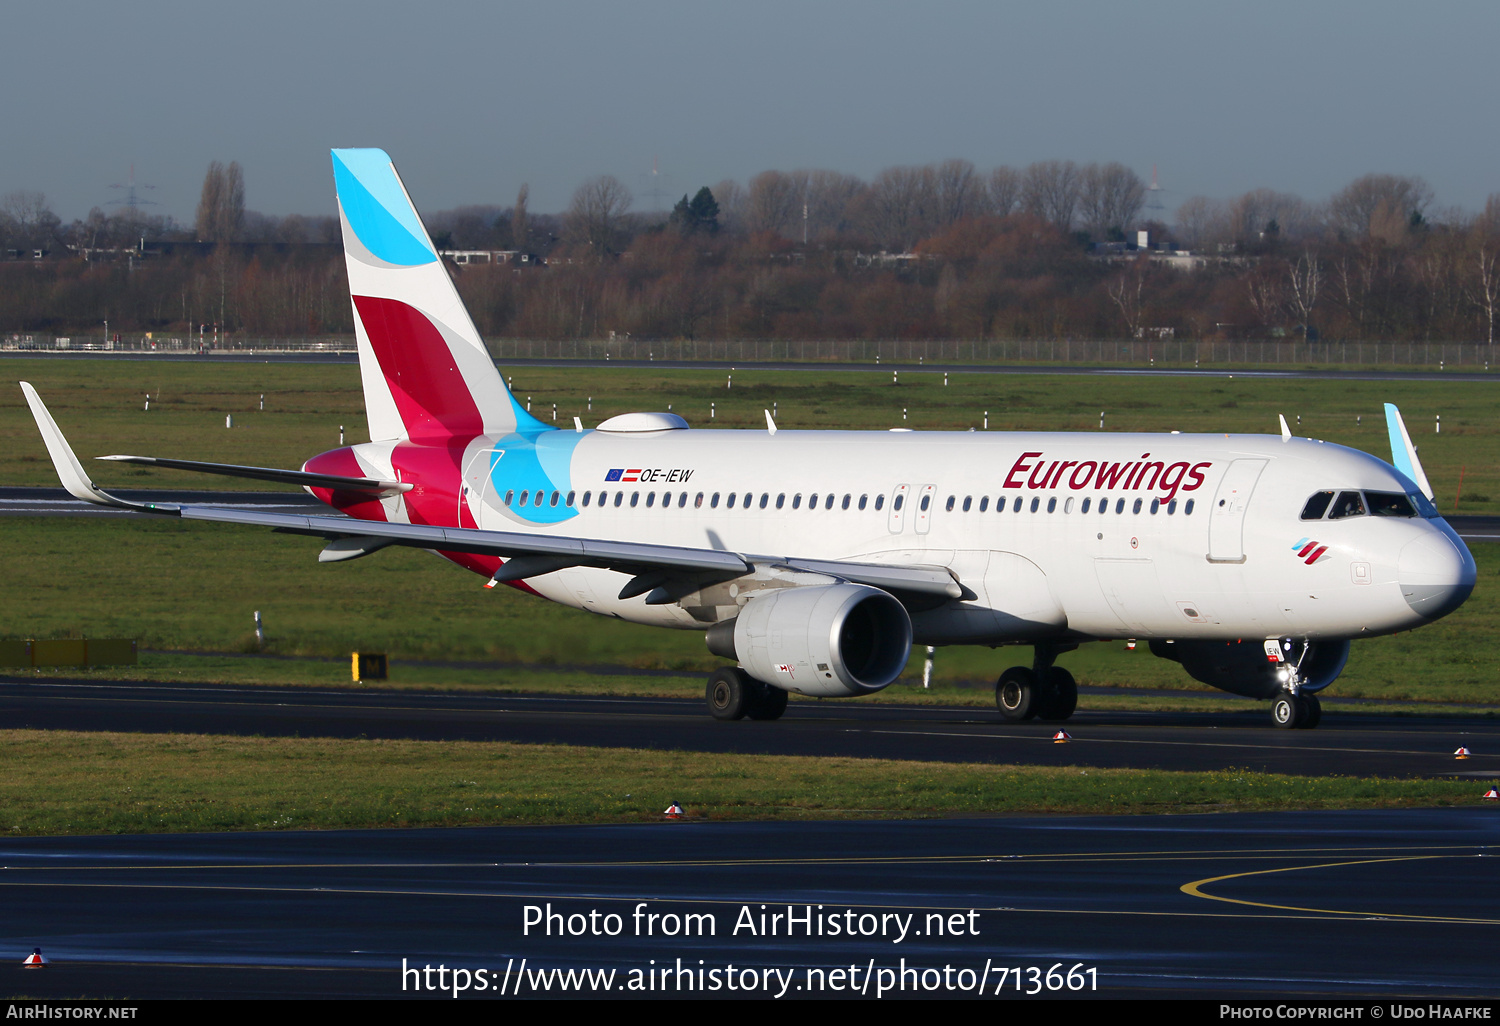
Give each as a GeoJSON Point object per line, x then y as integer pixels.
{"type": "Point", "coordinates": [814, 560]}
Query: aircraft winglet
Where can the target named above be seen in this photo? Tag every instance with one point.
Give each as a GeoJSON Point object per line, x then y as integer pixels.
{"type": "Point", "coordinates": [770, 424]}
{"type": "Point", "coordinates": [69, 470]}
{"type": "Point", "coordinates": [1286, 432]}
{"type": "Point", "coordinates": [1403, 453]}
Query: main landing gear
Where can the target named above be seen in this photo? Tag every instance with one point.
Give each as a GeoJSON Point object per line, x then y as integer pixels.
{"type": "Point", "coordinates": [733, 694]}
{"type": "Point", "coordinates": [1043, 691]}
{"type": "Point", "coordinates": [1301, 710]}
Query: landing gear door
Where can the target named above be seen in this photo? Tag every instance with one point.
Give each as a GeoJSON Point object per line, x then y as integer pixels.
{"type": "Point", "coordinates": [899, 497]}
{"type": "Point", "coordinates": [1226, 521]}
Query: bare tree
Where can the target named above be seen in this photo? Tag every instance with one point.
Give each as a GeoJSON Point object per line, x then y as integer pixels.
{"type": "Point", "coordinates": [1128, 291]}
{"type": "Point", "coordinates": [25, 219]}
{"type": "Point", "coordinates": [1305, 277]}
{"type": "Point", "coordinates": [520, 229]}
{"type": "Point", "coordinates": [899, 206]}
{"type": "Point", "coordinates": [957, 192]}
{"type": "Point", "coordinates": [1049, 189]}
{"type": "Point", "coordinates": [1263, 215]}
{"type": "Point", "coordinates": [1109, 199]}
{"type": "Point", "coordinates": [221, 205]}
{"type": "Point", "coordinates": [774, 203]}
{"type": "Point", "coordinates": [1484, 279]}
{"type": "Point", "coordinates": [1267, 294]}
{"type": "Point", "coordinates": [1354, 208]}
{"type": "Point", "coordinates": [596, 215]}
{"type": "Point", "coordinates": [1004, 191]}
{"type": "Point", "coordinates": [732, 201]}
{"type": "Point", "coordinates": [830, 196]}
{"type": "Point", "coordinates": [1202, 222]}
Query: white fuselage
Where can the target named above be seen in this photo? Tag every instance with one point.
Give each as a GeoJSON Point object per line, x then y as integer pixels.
{"type": "Point", "coordinates": [1178, 536]}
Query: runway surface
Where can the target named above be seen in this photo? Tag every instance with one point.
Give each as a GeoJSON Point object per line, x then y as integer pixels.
{"type": "Point", "coordinates": [1378, 904]}
{"type": "Point", "coordinates": [1348, 743]}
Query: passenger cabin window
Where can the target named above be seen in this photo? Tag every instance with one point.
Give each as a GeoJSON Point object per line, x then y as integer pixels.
{"type": "Point", "coordinates": [571, 497]}
{"type": "Point", "coordinates": [1017, 507]}
{"type": "Point", "coordinates": [781, 500]}
{"type": "Point", "coordinates": [1036, 502]}
{"type": "Point", "coordinates": [1389, 504]}
{"type": "Point", "coordinates": [1317, 506]}
{"type": "Point", "coordinates": [845, 504]}
{"type": "Point", "coordinates": [897, 502]}
{"type": "Point", "coordinates": [951, 501]}
{"type": "Point", "coordinates": [765, 498]}
{"type": "Point", "coordinates": [927, 501]}
{"type": "Point", "coordinates": [1187, 510]}
{"type": "Point", "coordinates": [555, 497]}
{"type": "Point", "coordinates": [796, 501]}
{"type": "Point", "coordinates": [828, 502]}
{"type": "Point", "coordinates": [984, 503]}
{"type": "Point", "coordinates": [1348, 504]}
{"type": "Point", "coordinates": [1085, 507]}
{"type": "Point", "coordinates": [1052, 505]}
{"type": "Point", "coordinates": [879, 502]}
{"type": "Point", "coordinates": [586, 496]}
{"type": "Point", "coordinates": [1137, 507]}
{"type": "Point", "coordinates": [968, 502]}
{"type": "Point", "coordinates": [509, 496]}
{"type": "Point", "coordinates": [619, 498]}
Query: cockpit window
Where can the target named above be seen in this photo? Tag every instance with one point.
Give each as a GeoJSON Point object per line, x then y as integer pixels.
{"type": "Point", "coordinates": [1424, 507]}
{"type": "Point", "coordinates": [1348, 504]}
{"type": "Point", "coordinates": [1317, 506]}
{"type": "Point", "coordinates": [1390, 504]}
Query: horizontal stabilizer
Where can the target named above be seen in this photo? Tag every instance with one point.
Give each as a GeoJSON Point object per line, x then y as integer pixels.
{"type": "Point", "coordinates": [1403, 453]}
{"type": "Point", "coordinates": [301, 478]}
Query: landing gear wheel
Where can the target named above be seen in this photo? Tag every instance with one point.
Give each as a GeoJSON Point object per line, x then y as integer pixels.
{"type": "Point", "coordinates": [729, 693]}
{"type": "Point", "coordinates": [768, 702]}
{"type": "Point", "coordinates": [1017, 694]}
{"type": "Point", "coordinates": [1288, 711]}
{"type": "Point", "coordinates": [1059, 694]}
{"type": "Point", "coordinates": [1312, 711]}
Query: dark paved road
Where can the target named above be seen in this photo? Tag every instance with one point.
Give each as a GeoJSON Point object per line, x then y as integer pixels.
{"type": "Point", "coordinates": [1346, 743]}
{"type": "Point", "coordinates": [1367, 904]}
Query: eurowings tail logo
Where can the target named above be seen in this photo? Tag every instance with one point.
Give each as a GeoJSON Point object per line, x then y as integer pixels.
{"type": "Point", "coordinates": [1309, 551]}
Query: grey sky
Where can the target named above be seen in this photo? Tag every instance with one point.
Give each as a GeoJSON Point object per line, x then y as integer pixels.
{"type": "Point", "coordinates": [473, 98]}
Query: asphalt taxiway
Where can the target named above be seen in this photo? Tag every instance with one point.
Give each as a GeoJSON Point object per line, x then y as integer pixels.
{"type": "Point", "coordinates": [1348, 742]}
{"type": "Point", "coordinates": [1378, 904]}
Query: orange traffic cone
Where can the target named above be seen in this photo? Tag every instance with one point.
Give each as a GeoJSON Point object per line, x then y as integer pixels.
{"type": "Point", "coordinates": [1462, 753]}
{"type": "Point", "coordinates": [674, 811]}
{"type": "Point", "coordinates": [1492, 795]}
{"type": "Point", "coordinates": [35, 960]}
{"type": "Point", "coordinates": [1062, 737]}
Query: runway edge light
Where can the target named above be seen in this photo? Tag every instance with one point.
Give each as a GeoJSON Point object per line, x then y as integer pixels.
{"type": "Point", "coordinates": [1062, 737]}
{"type": "Point", "coordinates": [1462, 753]}
{"type": "Point", "coordinates": [674, 811]}
{"type": "Point", "coordinates": [35, 960]}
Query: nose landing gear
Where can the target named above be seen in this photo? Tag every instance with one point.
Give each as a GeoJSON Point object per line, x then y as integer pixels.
{"type": "Point", "coordinates": [1294, 708]}
{"type": "Point", "coordinates": [1291, 712]}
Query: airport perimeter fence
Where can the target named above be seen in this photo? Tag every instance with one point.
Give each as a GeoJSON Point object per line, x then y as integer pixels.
{"type": "Point", "coordinates": [1142, 353]}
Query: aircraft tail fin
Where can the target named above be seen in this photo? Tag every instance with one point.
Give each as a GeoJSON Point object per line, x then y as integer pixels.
{"type": "Point", "coordinates": [427, 375]}
{"type": "Point", "coordinates": [1403, 453]}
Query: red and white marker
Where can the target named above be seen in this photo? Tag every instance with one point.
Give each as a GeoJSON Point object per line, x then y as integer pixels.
{"type": "Point", "coordinates": [35, 960]}
{"type": "Point", "coordinates": [1062, 737]}
{"type": "Point", "coordinates": [1462, 753]}
{"type": "Point", "coordinates": [1492, 795]}
{"type": "Point", "coordinates": [1130, 646]}
{"type": "Point", "coordinates": [674, 811]}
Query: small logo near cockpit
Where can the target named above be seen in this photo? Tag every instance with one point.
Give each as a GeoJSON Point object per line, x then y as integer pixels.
{"type": "Point", "coordinates": [1309, 551]}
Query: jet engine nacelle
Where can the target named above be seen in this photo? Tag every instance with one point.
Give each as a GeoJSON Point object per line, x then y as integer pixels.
{"type": "Point", "coordinates": [831, 640]}
{"type": "Point", "coordinates": [1241, 667]}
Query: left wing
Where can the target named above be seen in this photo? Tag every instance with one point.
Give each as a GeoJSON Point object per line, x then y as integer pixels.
{"type": "Point", "coordinates": [655, 569]}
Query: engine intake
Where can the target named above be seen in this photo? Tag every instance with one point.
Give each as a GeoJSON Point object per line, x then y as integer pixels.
{"type": "Point", "coordinates": [833, 640]}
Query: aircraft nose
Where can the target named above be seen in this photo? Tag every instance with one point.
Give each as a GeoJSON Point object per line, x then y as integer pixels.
{"type": "Point", "coordinates": [1436, 574]}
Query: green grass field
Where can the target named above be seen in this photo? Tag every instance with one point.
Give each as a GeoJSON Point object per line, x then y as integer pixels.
{"type": "Point", "coordinates": [59, 782]}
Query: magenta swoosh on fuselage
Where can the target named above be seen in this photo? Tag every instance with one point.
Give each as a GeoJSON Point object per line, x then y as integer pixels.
{"type": "Point", "coordinates": [431, 395]}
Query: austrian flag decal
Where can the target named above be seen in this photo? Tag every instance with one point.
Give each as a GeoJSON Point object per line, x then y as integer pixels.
{"type": "Point", "coordinates": [1309, 551]}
